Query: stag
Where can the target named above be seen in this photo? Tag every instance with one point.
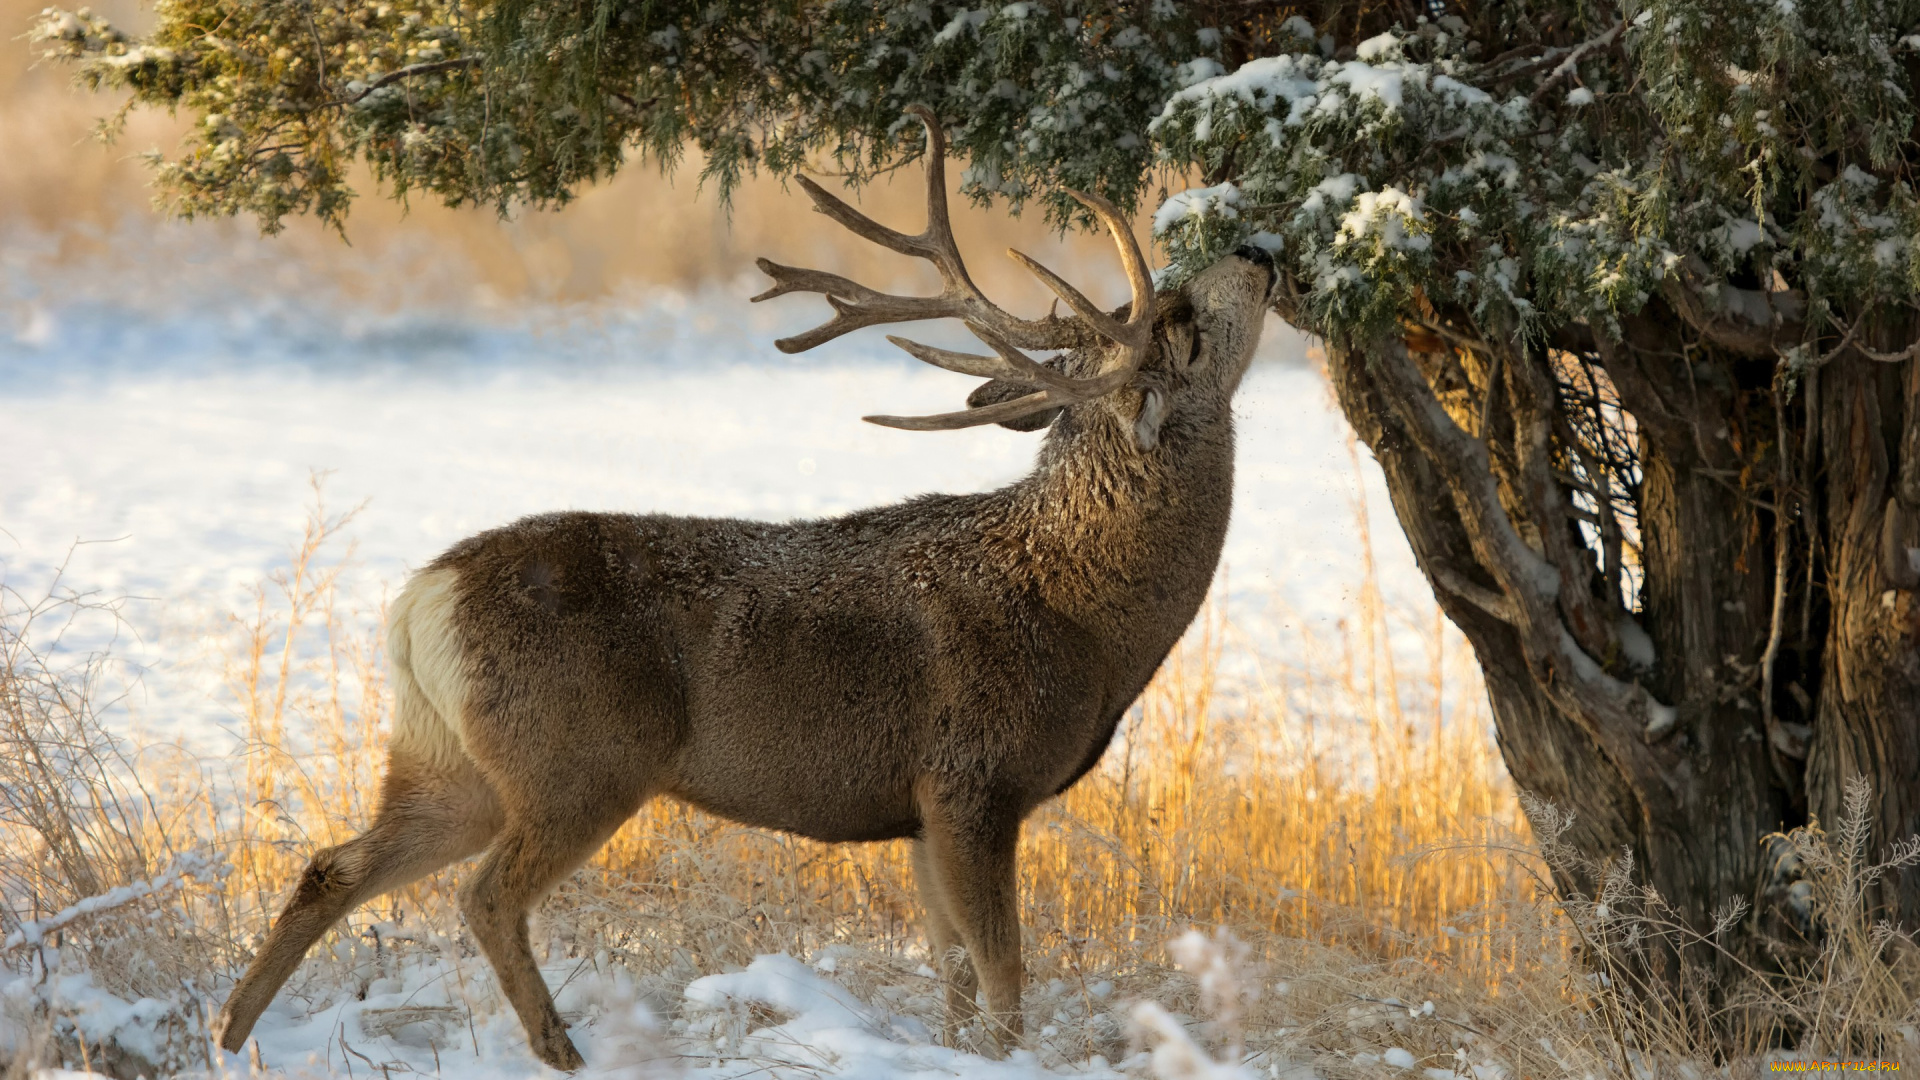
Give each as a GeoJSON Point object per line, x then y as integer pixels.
{"type": "Point", "coordinates": [933, 670]}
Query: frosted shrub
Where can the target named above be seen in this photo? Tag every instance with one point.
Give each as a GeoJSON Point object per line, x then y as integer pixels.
{"type": "Point", "coordinates": [104, 924]}
{"type": "Point", "coordinates": [1852, 992]}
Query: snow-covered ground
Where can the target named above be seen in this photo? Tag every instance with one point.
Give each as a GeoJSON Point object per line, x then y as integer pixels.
{"type": "Point", "coordinates": [436, 1013]}
{"type": "Point", "coordinates": [181, 448]}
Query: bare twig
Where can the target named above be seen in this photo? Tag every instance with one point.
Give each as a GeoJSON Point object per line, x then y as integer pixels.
{"type": "Point", "coordinates": [411, 71]}
{"type": "Point", "coordinates": [1572, 62]}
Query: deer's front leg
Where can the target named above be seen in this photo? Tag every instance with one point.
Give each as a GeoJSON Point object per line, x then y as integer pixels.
{"type": "Point", "coordinates": [970, 846]}
{"type": "Point", "coordinates": [948, 949]}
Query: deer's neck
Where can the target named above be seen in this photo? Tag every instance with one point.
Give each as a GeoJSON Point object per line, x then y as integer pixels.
{"type": "Point", "coordinates": [1123, 538]}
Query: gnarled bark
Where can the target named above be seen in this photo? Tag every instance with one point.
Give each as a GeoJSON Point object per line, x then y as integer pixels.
{"type": "Point", "coordinates": [1779, 551]}
{"type": "Point", "coordinates": [1867, 494]}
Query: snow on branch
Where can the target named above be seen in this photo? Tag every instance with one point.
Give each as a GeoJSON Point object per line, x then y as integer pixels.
{"type": "Point", "coordinates": [190, 864]}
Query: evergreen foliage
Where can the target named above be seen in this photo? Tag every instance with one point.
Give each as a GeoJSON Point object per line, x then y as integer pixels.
{"type": "Point", "coordinates": [523, 102]}
{"type": "Point", "coordinates": [1533, 161]}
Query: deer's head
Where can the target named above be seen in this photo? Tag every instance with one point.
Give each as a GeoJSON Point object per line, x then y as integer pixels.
{"type": "Point", "coordinates": [1159, 359]}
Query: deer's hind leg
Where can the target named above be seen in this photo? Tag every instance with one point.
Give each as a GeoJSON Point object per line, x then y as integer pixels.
{"type": "Point", "coordinates": [559, 807]}
{"type": "Point", "coordinates": [432, 812]}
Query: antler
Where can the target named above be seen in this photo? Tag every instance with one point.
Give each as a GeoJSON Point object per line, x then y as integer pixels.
{"type": "Point", "coordinates": [855, 305]}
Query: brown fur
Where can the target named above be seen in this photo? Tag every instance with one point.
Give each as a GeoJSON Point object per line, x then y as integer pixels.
{"type": "Point", "coordinates": [933, 670]}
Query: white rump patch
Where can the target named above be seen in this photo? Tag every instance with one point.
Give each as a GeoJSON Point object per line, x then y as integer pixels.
{"type": "Point", "coordinates": [429, 678]}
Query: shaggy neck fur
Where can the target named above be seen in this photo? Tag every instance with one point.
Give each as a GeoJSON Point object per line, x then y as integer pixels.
{"type": "Point", "coordinates": [1106, 531]}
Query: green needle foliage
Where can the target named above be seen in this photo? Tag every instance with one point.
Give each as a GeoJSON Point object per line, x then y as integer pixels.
{"type": "Point", "coordinates": [1447, 165]}
{"type": "Point", "coordinates": [523, 102]}
{"type": "Point", "coordinates": [1553, 161]}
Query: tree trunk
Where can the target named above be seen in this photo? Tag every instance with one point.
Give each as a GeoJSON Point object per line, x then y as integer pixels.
{"type": "Point", "coordinates": [1676, 757]}
{"type": "Point", "coordinates": [1867, 718]}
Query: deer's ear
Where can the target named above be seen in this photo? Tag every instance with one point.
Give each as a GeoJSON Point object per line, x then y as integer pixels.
{"type": "Point", "coordinates": [1146, 423]}
{"type": "Point", "coordinates": [995, 391]}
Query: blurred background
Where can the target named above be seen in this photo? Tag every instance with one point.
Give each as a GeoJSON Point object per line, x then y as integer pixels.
{"type": "Point", "coordinates": [70, 202]}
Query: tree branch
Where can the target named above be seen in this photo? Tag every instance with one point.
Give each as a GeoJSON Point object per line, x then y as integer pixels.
{"type": "Point", "coordinates": [1573, 59]}
{"type": "Point", "coordinates": [1622, 716]}
{"type": "Point", "coordinates": [1478, 595]}
{"type": "Point", "coordinates": [1747, 321]}
{"type": "Point", "coordinates": [1534, 414]}
{"type": "Point", "coordinates": [408, 72]}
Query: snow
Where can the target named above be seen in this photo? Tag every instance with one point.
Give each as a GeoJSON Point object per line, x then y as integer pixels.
{"type": "Point", "coordinates": [440, 1016]}
{"type": "Point", "coordinates": [1256, 82]}
{"type": "Point", "coordinates": [1389, 214]}
{"type": "Point", "coordinates": [1398, 1058]}
{"type": "Point", "coordinates": [140, 54]}
{"type": "Point", "coordinates": [1635, 644]}
{"type": "Point", "coordinates": [960, 24]}
{"type": "Point", "coordinates": [138, 1026]}
{"type": "Point", "coordinates": [1334, 191]}
{"type": "Point", "coordinates": [1311, 87]}
{"type": "Point", "coordinates": [1460, 92]}
{"type": "Point", "coordinates": [781, 982]}
{"type": "Point", "coordinates": [1660, 718]}
{"type": "Point", "coordinates": [1742, 234]}
{"type": "Point", "coordinates": [1218, 201]}
{"type": "Point", "coordinates": [1175, 1055]}
{"type": "Point", "coordinates": [1368, 82]}
{"type": "Point", "coordinates": [828, 1030]}
{"type": "Point", "coordinates": [1378, 47]}
{"type": "Point", "coordinates": [1197, 70]}
{"type": "Point", "coordinates": [189, 864]}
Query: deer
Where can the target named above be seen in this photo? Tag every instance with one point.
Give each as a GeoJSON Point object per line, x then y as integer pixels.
{"type": "Point", "coordinates": [933, 670]}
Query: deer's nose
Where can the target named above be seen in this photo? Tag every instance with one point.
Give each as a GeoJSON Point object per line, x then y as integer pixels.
{"type": "Point", "coordinates": [1261, 258]}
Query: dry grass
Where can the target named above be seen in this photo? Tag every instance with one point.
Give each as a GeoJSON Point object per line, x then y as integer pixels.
{"type": "Point", "coordinates": [1343, 816]}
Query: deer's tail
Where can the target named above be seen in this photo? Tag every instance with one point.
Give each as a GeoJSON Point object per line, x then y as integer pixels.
{"type": "Point", "coordinates": [429, 672]}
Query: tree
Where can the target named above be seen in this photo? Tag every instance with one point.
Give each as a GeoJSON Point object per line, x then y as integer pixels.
{"type": "Point", "coordinates": [1622, 297]}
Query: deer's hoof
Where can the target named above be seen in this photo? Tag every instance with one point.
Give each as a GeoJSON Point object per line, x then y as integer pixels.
{"type": "Point", "coordinates": [558, 1052]}
{"type": "Point", "coordinates": [225, 1033]}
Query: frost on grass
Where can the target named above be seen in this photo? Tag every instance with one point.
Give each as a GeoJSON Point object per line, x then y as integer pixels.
{"type": "Point", "coordinates": [188, 865]}
{"type": "Point", "coordinates": [98, 927]}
